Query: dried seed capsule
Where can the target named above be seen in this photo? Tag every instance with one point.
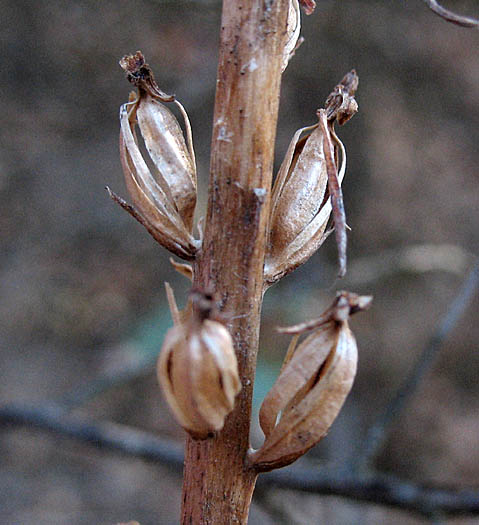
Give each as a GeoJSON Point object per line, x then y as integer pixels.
{"type": "Point", "coordinates": [312, 386]}
{"type": "Point", "coordinates": [301, 197]}
{"type": "Point", "coordinates": [167, 148]}
{"type": "Point", "coordinates": [165, 197]}
{"type": "Point", "coordinates": [151, 196]}
{"type": "Point", "coordinates": [198, 370]}
{"type": "Point", "coordinates": [299, 190]}
{"type": "Point", "coordinates": [301, 206]}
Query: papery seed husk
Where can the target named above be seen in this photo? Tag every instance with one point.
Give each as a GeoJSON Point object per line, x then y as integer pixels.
{"type": "Point", "coordinates": [218, 340]}
{"type": "Point", "coordinates": [198, 372]}
{"type": "Point", "coordinates": [173, 338]}
{"type": "Point", "coordinates": [303, 425]}
{"type": "Point", "coordinates": [174, 373]}
{"type": "Point", "coordinates": [303, 366]}
{"type": "Point", "coordinates": [293, 30]}
{"type": "Point", "coordinates": [302, 193]}
{"type": "Point", "coordinates": [135, 167]}
{"type": "Point", "coordinates": [310, 238]}
{"type": "Point", "coordinates": [284, 257]}
{"type": "Point", "coordinates": [205, 384]}
{"type": "Point", "coordinates": [215, 377]}
{"type": "Point", "coordinates": [153, 202]}
{"type": "Point", "coordinates": [166, 145]}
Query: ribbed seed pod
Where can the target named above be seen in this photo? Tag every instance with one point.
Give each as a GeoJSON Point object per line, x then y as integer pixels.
{"type": "Point", "coordinates": [167, 148]}
{"type": "Point", "coordinates": [313, 384]}
{"type": "Point", "coordinates": [301, 206]}
{"type": "Point", "coordinates": [299, 189]}
{"type": "Point", "coordinates": [165, 195]}
{"type": "Point", "coordinates": [198, 370]}
{"type": "Point", "coordinates": [301, 202]}
{"type": "Point", "coordinates": [150, 195]}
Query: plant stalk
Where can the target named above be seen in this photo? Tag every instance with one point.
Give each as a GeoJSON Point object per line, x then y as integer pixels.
{"type": "Point", "coordinates": [218, 483]}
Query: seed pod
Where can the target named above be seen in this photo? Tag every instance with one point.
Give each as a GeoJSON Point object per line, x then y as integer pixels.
{"type": "Point", "coordinates": [301, 196]}
{"type": "Point", "coordinates": [165, 197]}
{"type": "Point", "coordinates": [151, 196]}
{"type": "Point", "coordinates": [312, 386]}
{"type": "Point", "coordinates": [167, 148]}
{"type": "Point", "coordinates": [198, 370]}
{"type": "Point", "coordinates": [301, 205]}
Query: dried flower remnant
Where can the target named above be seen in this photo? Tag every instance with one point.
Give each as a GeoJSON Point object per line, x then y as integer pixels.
{"type": "Point", "coordinates": [297, 197]}
{"type": "Point", "coordinates": [309, 175]}
{"type": "Point", "coordinates": [313, 384]}
{"type": "Point", "coordinates": [197, 367]}
{"type": "Point", "coordinates": [341, 104]}
{"type": "Point", "coordinates": [164, 196]}
{"type": "Point", "coordinates": [308, 6]}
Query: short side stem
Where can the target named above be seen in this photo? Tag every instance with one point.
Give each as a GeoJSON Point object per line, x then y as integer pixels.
{"type": "Point", "coordinates": [218, 484]}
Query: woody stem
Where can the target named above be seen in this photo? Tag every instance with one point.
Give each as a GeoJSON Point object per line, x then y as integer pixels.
{"type": "Point", "coordinates": [218, 484]}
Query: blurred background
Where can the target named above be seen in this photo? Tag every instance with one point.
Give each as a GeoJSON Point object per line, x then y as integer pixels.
{"type": "Point", "coordinates": [81, 284]}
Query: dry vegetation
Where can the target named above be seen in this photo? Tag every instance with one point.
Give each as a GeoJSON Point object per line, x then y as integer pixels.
{"type": "Point", "coordinates": [81, 283]}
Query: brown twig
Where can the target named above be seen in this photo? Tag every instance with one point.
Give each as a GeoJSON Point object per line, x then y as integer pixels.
{"type": "Point", "coordinates": [376, 488]}
{"type": "Point", "coordinates": [379, 430]}
{"type": "Point", "coordinates": [449, 16]}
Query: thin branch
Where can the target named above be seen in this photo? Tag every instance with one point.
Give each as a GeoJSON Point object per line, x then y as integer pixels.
{"type": "Point", "coordinates": [381, 428]}
{"type": "Point", "coordinates": [107, 435]}
{"type": "Point", "coordinates": [449, 16]}
{"type": "Point", "coordinates": [380, 489]}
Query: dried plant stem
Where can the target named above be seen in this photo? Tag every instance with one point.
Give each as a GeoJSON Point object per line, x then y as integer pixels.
{"type": "Point", "coordinates": [218, 483]}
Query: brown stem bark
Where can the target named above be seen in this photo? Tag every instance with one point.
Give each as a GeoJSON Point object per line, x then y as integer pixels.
{"type": "Point", "coordinates": [218, 483]}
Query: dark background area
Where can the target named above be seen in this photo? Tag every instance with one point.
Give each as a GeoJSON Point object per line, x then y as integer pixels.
{"type": "Point", "coordinates": [81, 284]}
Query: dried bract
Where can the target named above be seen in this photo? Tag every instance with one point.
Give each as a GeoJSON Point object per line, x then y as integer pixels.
{"type": "Point", "coordinates": [293, 30]}
{"type": "Point", "coordinates": [165, 194]}
{"type": "Point", "coordinates": [197, 368]}
{"type": "Point", "coordinates": [313, 384]}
